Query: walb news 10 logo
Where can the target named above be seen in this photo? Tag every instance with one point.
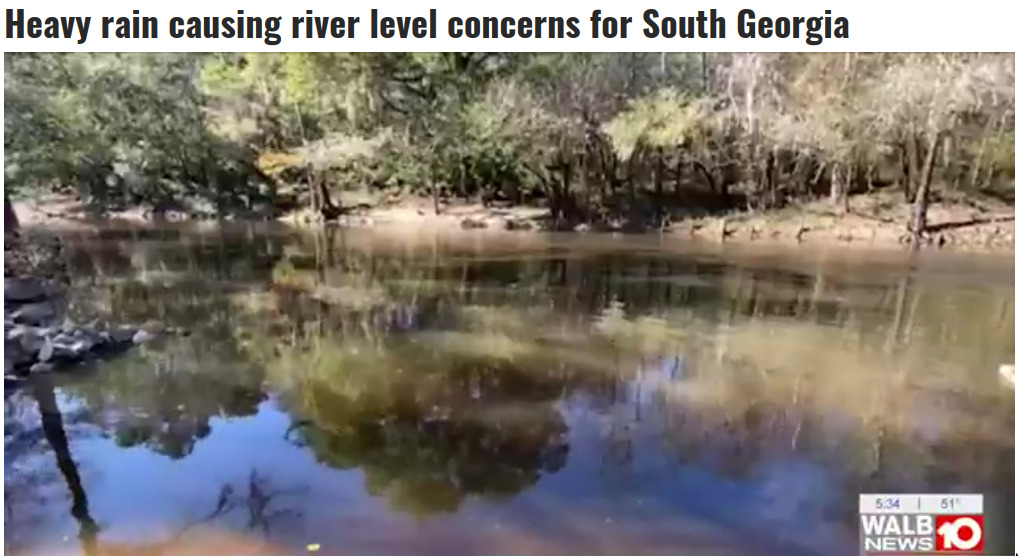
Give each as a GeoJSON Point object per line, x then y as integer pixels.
{"type": "Point", "coordinates": [908, 524]}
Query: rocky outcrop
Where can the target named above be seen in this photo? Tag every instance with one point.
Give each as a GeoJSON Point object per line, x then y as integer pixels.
{"type": "Point", "coordinates": [40, 337]}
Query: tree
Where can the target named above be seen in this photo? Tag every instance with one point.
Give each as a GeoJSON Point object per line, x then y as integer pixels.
{"type": "Point", "coordinates": [933, 96]}
{"type": "Point", "coordinates": [595, 137]}
{"type": "Point", "coordinates": [10, 218]}
{"type": "Point", "coordinates": [651, 125]}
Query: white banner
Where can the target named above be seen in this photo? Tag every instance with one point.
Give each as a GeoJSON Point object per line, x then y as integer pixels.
{"type": "Point", "coordinates": [525, 25]}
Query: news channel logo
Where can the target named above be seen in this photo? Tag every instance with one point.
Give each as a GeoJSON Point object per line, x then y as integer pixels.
{"type": "Point", "coordinates": [914, 524]}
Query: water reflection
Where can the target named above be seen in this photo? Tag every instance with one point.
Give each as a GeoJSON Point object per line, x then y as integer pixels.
{"type": "Point", "coordinates": [462, 395]}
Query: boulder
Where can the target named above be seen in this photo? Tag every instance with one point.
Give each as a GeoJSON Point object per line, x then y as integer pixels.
{"type": "Point", "coordinates": [15, 355]}
{"type": "Point", "coordinates": [35, 313]}
{"type": "Point", "coordinates": [122, 335]}
{"type": "Point", "coordinates": [31, 340]}
{"type": "Point", "coordinates": [46, 351]}
{"type": "Point", "coordinates": [23, 290]}
{"type": "Point", "coordinates": [41, 367]}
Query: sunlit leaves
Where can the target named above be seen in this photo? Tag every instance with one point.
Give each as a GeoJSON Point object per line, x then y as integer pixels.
{"type": "Point", "coordinates": [666, 119]}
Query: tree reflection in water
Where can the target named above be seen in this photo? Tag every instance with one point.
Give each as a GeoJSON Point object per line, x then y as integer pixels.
{"type": "Point", "coordinates": [56, 437]}
{"type": "Point", "coordinates": [445, 379]}
{"type": "Point", "coordinates": [428, 451]}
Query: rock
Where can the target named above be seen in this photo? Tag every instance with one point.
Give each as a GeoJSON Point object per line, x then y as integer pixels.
{"type": "Point", "coordinates": [35, 313]}
{"type": "Point", "coordinates": [23, 290]}
{"type": "Point", "coordinates": [41, 367]}
{"type": "Point", "coordinates": [473, 224]}
{"type": "Point", "coordinates": [518, 225]}
{"type": "Point", "coordinates": [46, 352]}
{"type": "Point", "coordinates": [36, 341]}
{"type": "Point", "coordinates": [16, 354]}
{"type": "Point", "coordinates": [68, 326]}
{"type": "Point", "coordinates": [122, 335]}
{"type": "Point", "coordinates": [32, 340]}
{"type": "Point", "coordinates": [74, 351]}
{"type": "Point", "coordinates": [15, 332]}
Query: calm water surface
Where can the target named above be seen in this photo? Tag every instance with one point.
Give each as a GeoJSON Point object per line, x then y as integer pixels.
{"type": "Point", "coordinates": [468, 394]}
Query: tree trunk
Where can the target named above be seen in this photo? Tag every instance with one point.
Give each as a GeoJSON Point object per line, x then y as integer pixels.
{"type": "Point", "coordinates": [328, 209]}
{"type": "Point", "coordinates": [711, 182]}
{"type": "Point", "coordinates": [585, 181]}
{"type": "Point", "coordinates": [676, 189]}
{"type": "Point", "coordinates": [906, 173]}
{"type": "Point", "coordinates": [564, 191]}
{"type": "Point", "coordinates": [703, 71]}
{"type": "Point", "coordinates": [11, 223]}
{"type": "Point", "coordinates": [913, 165]}
{"type": "Point", "coordinates": [434, 190]}
{"type": "Point", "coordinates": [817, 176]}
{"type": "Point", "coordinates": [850, 178]}
{"type": "Point", "coordinates": [464, 186]}
{"type": "Point", "coordinates": [631, 178]}
{"type": "Point", "coordinates": [922, 195]}
{"type": "Point", "coordinates": [313, 191]}
{"type": "Point", "coordinates": [977, 165]}
{"type": "Point", "coordinates": [836, 184]}
{"type": "Point", "coordinates": [659, 170]}
{"type": "Point", "coordinates": [771, 180]}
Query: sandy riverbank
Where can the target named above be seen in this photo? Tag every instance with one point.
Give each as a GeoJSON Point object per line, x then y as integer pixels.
{"type": "Point", "coordinates": [874, 221]}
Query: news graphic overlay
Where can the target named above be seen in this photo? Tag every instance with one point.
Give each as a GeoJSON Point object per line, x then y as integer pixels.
{"type": "Point", "coordinates": [905, 524]}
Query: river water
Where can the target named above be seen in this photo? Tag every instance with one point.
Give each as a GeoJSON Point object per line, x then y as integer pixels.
{"type": "Point", "coordinates": [480, 393]}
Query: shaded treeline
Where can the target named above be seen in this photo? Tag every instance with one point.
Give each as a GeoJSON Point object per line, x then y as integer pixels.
{"type": "Point", "coordinates": [596, 137]}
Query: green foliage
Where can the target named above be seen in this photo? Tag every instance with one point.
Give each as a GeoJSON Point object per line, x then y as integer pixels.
{"type": "Point", "coordinates": [209, 130]}
{"type": "Point", "coordinates": [665, 119]}
{"type": "Point", "coordinates": [1000, 153]}
{"type": "Point", "coordinates": [122, 129]}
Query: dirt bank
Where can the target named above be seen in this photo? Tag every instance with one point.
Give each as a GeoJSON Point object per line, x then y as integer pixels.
{"type": "Point", "coordinates": [872, 221]}
{"type": "Point", "coordinates": [875, 220]}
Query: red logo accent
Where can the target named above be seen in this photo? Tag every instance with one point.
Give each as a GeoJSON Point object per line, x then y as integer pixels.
{"type": "Point", "coordinates": [959, 533]}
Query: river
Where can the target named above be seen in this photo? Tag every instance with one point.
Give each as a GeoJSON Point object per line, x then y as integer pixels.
{"type": "Point", "coordinates": [357, 392]}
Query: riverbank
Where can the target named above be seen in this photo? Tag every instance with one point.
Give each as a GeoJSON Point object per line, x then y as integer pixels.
{"type": "Point", "coordinates": [39, 337]}
{"type": "Point", "coordinates": [873, 220]}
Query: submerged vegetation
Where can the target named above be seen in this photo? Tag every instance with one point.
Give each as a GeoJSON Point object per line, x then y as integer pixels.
{"type": "Point", "coordinates": [637, 138]}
